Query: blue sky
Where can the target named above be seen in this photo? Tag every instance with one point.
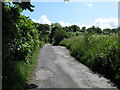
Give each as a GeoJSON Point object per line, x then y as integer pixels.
{"type": "Point", "coordinates": [101, 14]}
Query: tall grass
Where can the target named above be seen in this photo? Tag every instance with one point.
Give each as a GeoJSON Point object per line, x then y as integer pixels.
{"type": "Point", "coordinates": [18, 73]}
{"type": "Point", "coordinates": [99, 52]}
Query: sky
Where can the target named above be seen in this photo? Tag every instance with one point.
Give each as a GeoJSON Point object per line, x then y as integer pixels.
{"type": "Point", "coordinates": [99, 14]}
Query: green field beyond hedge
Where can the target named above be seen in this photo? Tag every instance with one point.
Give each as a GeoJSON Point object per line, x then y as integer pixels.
{"type": "Point", "coordinates": [98, 52]}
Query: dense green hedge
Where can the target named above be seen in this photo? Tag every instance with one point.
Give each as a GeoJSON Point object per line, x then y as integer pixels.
{"type": "Point", "coordinates": [20, 45]}
{"type": "Point", "coordinates": [99, 52]}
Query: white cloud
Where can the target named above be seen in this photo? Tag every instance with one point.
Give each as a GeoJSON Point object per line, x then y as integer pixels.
{"type": "Point", "coordinates": [106, 22]}
{"type": "Point", "coordinates": [103, 23]}
{"type": "Point", "coordinates": [89, 4]}
{"type": "Point", "coordinates": [43, 20]}
{"type": "Point", "coordinates": [69, 24]}
{"type": "Point", "coordinates": [35, 20]}
{"type": "Point", "coordinates": [64, 23]}
{"type": "Point", "coordinates": [99, 22]}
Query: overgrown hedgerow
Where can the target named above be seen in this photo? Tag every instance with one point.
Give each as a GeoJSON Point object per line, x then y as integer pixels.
{"type": "Point", "coordinates": [99, 52]}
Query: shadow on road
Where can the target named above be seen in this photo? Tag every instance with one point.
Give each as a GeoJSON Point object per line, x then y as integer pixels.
{"type": "Point", "coordinates": [31, 86]}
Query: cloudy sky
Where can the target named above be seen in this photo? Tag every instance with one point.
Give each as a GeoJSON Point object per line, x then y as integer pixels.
{"type": "Point", "coordinates": [99, 14]}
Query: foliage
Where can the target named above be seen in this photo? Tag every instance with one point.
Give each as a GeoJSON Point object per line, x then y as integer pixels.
{"type": "Point", "coordinates": [44, 31]}
{"type": "Point", "coordinates": [107, 31]}
{"type": "Point", "coordinates": [54, 27]}
{"type": "Point", "coordinates": [18, 72]}
{"type": "Point", "coordinates": [94, 30]}
{"type": "Point", "coordinates": [99, 52]}
{"type": "Point", "coordinates": [83, 29]}
{"type": "Point", "coordinates": [19, 38]}
{"type": "Point", "coordinates": [74, 28]}
{"type": "Point", "coordinates": [58, 36]}
{"type": "Point", "coordinates": [24, 6]}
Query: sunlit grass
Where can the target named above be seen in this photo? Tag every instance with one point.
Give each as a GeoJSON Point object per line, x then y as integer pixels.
{"type": "Point", "coordinates": [99, 52]}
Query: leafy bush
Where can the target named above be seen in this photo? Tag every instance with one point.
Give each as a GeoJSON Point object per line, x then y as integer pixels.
{"type": "Point", "coordinates": [58, 36]}
{"type": "Point", "coordinates": [20, 38]}
{"type": "Point", "coordinates": [20, 47]}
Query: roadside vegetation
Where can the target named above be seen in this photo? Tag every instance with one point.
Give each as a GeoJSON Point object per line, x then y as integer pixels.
{"type": "Point", "coordinates": [21, 44]}
{"type": "Point", "coordinates": [100, 52]}
{"type": "Point", "coordinates": [22, 39]}
{"type": "Point", "coordinates": [96, 48]}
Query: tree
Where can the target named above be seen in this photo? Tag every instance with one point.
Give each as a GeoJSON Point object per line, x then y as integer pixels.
{"type": "Point", "coordinates": [107, 31]}
{"type": "Point", "coordinates": [115, 30]}
{"type": "Point", "coordinates": [44, 28]}
{"type": "Point", "coordinates": [19, 37]}
{"type": "Point", "coordinates": [74, 28]}
{"type": "Point", "coordinates": [83, 29]}
{"type": "Point", "coordinates": [54, 27]}
{"type": "Point", "coordinates": [44, 31]}
{"type": "Point", "coordinates": [58, 36]}
{"type": "Point", "coordinates": [24, 6]}
{"type": "Point", "coordinates": [98, 30]}
{"type": "Point", "coordinates": [66, 28]}
{"type": "Point", "coordinates": [94, 30]}
{"type": "Point", "coordinates": [10, 22]}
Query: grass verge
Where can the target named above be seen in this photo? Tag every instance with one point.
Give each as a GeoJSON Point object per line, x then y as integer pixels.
{"type": "Point", "coordinates": [18, 73]}
{"type": "Point", "coordinates": [98, 52]}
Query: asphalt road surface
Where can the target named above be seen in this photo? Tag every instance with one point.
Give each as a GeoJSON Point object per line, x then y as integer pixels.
{"type": "Point", "coordinates": [56, 68]}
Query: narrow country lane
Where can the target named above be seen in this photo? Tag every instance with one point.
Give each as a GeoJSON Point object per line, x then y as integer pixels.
{"type": "Point", "coordinates": [56, 68]}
